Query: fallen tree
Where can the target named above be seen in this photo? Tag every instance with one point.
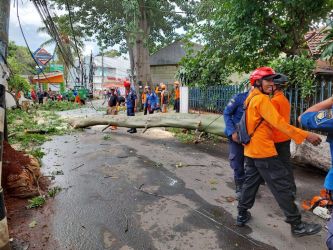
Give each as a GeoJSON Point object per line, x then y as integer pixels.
{"type": "Point", "coordinates": [214, 124]}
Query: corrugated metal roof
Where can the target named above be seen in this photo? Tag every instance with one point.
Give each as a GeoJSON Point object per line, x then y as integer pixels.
{"type": "Point", "coordinates": [171, 54]}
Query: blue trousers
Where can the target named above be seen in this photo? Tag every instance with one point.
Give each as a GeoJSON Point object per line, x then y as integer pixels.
{"type": "Point", "coordinates": [130, 112]}
{"type": "Point", "coordinates": [236, 158]}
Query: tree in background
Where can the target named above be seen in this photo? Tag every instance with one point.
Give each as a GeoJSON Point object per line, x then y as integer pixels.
{"type": "Point", "coordinates": [241, 35]}
{"type": "Point", "coordinates": [21, 63]}
{"type": "Point", "coordinates": [138, 26]}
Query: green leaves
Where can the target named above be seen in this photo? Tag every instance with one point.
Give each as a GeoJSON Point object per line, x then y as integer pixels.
{"type": "Point", "coordinates": [300, 71]}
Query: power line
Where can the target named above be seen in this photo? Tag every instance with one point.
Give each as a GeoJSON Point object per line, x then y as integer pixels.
{"type": "Point", "coordinates": [25, 40]}
{"type": "Point", "coordinates": [46, 17]}
{"type": "Point", "coordinates": [75, 42]}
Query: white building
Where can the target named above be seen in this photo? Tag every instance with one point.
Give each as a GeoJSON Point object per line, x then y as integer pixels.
{"type": "Point", "coordinates": [106, 70]}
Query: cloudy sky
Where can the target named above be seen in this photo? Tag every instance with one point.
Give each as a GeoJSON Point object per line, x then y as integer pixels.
{"type": "Point", "coordinates": [31, 21]}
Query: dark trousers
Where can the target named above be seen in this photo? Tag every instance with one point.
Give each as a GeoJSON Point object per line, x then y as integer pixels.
{"type": "Point", "coordinates": [130, 112]}
{"type": "Point", "coordinates": [276, 176]}
{"type": "Point", "coordinates": [177, 103]}
{"type": "Point", "coordinates": [236, 158]}
{"type": "Point", "coordinates": [283, 150]}
{"type": "Point", "coordinates": [145, 110]}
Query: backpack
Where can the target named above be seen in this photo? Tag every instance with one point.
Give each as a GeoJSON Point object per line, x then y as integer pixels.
{"type": "Point", "coordinates": [243, 136]}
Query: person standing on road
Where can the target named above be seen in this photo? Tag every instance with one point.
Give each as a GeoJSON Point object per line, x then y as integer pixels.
{"type": "Point", "coordinates": [131, 102]}
{"type": "Point", "coordinates": [165, 98]}
{"type": "Point", "coordinates": [281, 140]}
{"type": "Point", "coordinates": [261, 161]}
{"type": "Point", "coordinates": [143, 99]}
{"type": "Point", "coordinates": [319, 117]}
{"type": "Point", "coordinates": [152, 101]}
{"type": "Point", "coordinates": [232, 114]}
{"type": "Point", "coordinates": [177, 97]}
{"type": "Point", "coordinates": [113, 104]}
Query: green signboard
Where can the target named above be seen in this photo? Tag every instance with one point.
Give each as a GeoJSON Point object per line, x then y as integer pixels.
{"type": "Point", "coordinates": [56, 67]}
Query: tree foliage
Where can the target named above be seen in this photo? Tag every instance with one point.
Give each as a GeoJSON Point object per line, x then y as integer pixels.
{"type": "Point", "coordinates": [300, 71]}
{"type": "Point", "coordinates": [241, 35]}
{"type": "Point", "coordinates": [21, 63]}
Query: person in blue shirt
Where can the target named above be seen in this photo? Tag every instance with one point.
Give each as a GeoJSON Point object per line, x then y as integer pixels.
{"type": "Point", "coordinates": [152, 101]}
{"type": "Point", "coordinates": [131, 102]}
{"type": "Point", "coordinates": [319, 117]}
{"type": "Point", "coordinates": [232, 115]}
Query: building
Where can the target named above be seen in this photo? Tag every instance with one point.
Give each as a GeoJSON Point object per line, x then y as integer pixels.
{"type": "Point", "coordinates": [165, 62]}
{"type": "Point", "coordinates": [106, 71]}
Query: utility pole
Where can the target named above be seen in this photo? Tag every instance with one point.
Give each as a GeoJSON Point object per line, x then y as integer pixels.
{"type": "Point", "coordinates": [102, 69]}
{"type": "Point", "coordinates": [4, 26]}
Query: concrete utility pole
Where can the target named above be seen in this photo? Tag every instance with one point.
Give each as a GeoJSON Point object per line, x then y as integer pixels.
{"type": "Point", "coordinates": [4, 26]}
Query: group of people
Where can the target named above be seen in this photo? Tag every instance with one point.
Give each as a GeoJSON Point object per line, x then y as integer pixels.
{"type": "Point", "coordinates": [265, 159]}
{"type": "Point", "coordinates": [159, 99]}
{"type": "Point", "coordinates": [151, 100]}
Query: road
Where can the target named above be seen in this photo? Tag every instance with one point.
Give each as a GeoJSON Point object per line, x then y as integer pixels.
{"type": "Point", "coordinates": [125, 191]}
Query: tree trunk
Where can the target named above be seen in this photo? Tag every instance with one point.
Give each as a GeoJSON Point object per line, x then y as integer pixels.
{"type": "Point", "coordinates": [213, 124]}
{"type": "Point", "coordinates": [140, 50]}
{"type": "Point", "coordinates": [304, 154]}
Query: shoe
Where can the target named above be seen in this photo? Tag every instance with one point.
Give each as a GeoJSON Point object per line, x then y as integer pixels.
{"type": "Point", "coordinates": [133, 131]}
{"type": "Point", "coordinates": [243, 218]}
{"type": "Point", "coordinates": [304, 228]}
{"type": "Point", "coordinates": [129, 130]}
{"type": "Point", "coordinates": [239, 185]}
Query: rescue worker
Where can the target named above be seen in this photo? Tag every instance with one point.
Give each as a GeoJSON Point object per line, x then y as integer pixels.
{"type": "Point", "coordinates": [131, 102]}
{"type": "Point", "coordinates": [143, 99]}
{"type": "Point", "coordinates": [165, 98]}
{"type": "Point", "coordinates": [113, 104]}
{"type": "Point", "coordinates": [281, 140]}
{"type": "Point", "coordinates": [152, 101]}
{"type": "Point", "coordinates": [261, 161]}
{"type": "Point", "coordinates": [232, 114]}
{"type": "Point", "coordinates": [177, 96]}
{"type": "Point", "coordinates": [319, 117]}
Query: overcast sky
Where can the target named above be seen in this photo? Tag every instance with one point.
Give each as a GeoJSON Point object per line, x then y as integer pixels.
{"type": "Point", "coordinates": [31, 21]}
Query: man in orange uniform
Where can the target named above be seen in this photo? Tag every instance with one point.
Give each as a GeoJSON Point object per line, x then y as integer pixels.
{"type": "Point", "coordinates": [261, 161]}
{"type": "Point", "coordinates": [143, 100]}
{"type": "Point", "coordinates": [281, 140]}
{"type": "Point", "coordinates": [177, 96]}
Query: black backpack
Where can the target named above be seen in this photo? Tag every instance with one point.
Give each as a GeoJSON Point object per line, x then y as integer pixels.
{"type": "Point", "coordinates": [243, 136]}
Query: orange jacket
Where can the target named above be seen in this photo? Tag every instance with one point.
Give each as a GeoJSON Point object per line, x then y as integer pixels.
{"type": "Point", "coordinates": [143, 97]}
{"type": "Point", "coordinates": [282, 105]}
{"type": "Point", "coordinates": [262, 143]}
{"type": "Point", "coordinates": [177, 94]}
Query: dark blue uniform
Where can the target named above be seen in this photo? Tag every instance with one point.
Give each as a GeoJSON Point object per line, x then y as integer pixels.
{"type": "Point", "coordinates": [232, 114]}
{"type": "Point", "coordinates": [130, 102]}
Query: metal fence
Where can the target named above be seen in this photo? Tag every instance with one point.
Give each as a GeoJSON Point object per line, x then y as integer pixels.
{"type": "Point", "coordinates": [214, 99]}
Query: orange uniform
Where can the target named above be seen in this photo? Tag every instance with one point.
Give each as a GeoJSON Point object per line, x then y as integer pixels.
{"type": "Point", "coordinates": [282, 106]}
{"type": "Point", "coordinates": [177, 93]}
{"type": "Point", "coordinates": [143, 97]}
{"type": "Point", "coordinates": [262, 143]}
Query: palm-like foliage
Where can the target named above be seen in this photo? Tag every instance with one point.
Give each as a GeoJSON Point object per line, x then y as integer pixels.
{"type": "Point", "coordinates": [66, 55]}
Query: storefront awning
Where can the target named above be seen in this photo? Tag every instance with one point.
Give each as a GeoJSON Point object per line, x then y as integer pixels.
{"type": "Point", "coordinates": [53, 78]}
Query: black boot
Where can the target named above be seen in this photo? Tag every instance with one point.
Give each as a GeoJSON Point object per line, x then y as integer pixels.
{"type": "Point", "coordinates": [129, 130]}
{"type": "Point", "coordinates": [304, 228]}
{"type": "Point", "coordinates": [133, 131]}
{"type": "Point", "coordinates": [243, 217]}
{"type": "Point", "coordinates": [239, 185]}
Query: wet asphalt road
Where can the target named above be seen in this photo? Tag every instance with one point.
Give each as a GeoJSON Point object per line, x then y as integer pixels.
{"type": "Point", "coordinates": [101, 207]}
{"type": "Point", "coordinates": [123, 191]}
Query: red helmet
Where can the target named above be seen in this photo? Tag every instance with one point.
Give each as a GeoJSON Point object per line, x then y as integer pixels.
{"type": "Point", "coordinates": [127, 84]}
{"type": "Point", "coordinates": [261, 72]}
